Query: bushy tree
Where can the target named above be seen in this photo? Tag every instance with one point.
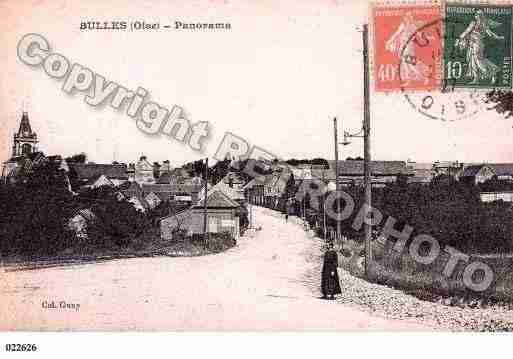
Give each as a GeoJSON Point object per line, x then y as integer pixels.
{"type": "Point", "coordinates": [315, 161]}
{"type": "Point", "coordinates": [34, 213]}
{"type": "Point", "coordinates": [450, 212]}
{"type": "Point", "coordinates": [78, 158]}
{"type": "Point", "coordinates": [496, 185]}
{"type": "Point", "coordinates": [115, 221]}
{"type": "Point", "coordinates": [287, 197]}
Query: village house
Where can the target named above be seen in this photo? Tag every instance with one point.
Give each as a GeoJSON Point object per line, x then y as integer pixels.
{"type": "Point", "coordinates": [234, 180]}
{"type": "Point", "coordinates": [133, 193]}
{"type": "Point", "coordinates": [233, 193]}
{"type": "Point", "coordinates": [101, 182]}
{"type": "Point", "coordinates": [15, 167]}
{"type": "Point", "coordinates": [476, 174]}
{"type": "Point", "coordinates": [505, 196]}
{"type": "Point", "coordinates": [423, 173]}
{"type": "Point", "coordinates": [503, 171]}
{"type": "Point", "coordinates": [274, 187]}
{"type": "Point", "coordinates": [139, 203]}
{"type": "Point", "coordinates": [94, 175]}
{"type": "Point", "coordinates": [144, 171]}
{"type": "Point", "coordinates": [130, 189]}
{"type": "Point", "coordinates": [448, 168]}
{"type": "Point", "coordinates": [274, 166]}
{"type": "Point", "coordinates": [150, 195]}
{"type": "Point", "coordinates": [177, 175]}
{"type": "Point", "coordinates": [254, 192]}
{"type": "Point", "coordinates": [268, 190]}
{"type": "Point", "coordinates": [178, 192]}
{"type": "Point", "coordinates": [222, 216]}
{"type": "Point", "coordinates": [79, 222]}
{"type": "Point", "coordinates": [350, 172]}
{"type": "Point", "coordinates": [153, 200]}
{"type": "Point", "coordinates": [301, 173]}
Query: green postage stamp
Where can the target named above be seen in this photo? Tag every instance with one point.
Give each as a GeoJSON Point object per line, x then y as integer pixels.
{"type": "Point", "coordinates": [477, 48]}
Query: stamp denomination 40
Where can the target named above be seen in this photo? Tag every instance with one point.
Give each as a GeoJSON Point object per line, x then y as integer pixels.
{"type": "Point", "coordinates": [407, 54]}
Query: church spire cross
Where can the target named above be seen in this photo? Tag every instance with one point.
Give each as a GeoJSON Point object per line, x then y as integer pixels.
{"type": "Point", "coordinates": [25, 140]}
{"type": "Point", "coordinates": [25, 129]}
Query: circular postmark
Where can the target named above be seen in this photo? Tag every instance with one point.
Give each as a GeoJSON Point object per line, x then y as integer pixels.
{"type": "Point", "coordinates": [445, 102]}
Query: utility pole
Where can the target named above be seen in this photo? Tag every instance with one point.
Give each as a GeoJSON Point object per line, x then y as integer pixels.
{"type": "Point", "coordinates": [205, 216]}
{"type": "Point", "coordinates": [324, 215]}
{"type": "Point", "coordinates": [366, 149]}
{"type": "Point", "coordinates": [250, 204]}
{"type": "Point", "coordinates": [337, 234]}
{"type": "Point", "coordinates": [302, 211]}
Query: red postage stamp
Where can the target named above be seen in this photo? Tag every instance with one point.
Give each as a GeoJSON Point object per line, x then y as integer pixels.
{"type": "Point", "coordinates": [407, 47]}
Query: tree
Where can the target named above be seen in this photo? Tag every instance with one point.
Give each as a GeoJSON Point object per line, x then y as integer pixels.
{"type": "Point", "coordinates": [247, 166]}
{"type": "Point", "coordinates": [156, 170]}
{"type": "Point", "coordinates": [315, 161]}
{"type": "Point", "coordinates": [217, 172]}
{"type": "Point", "coordinates": [116, 222]}
{"type": "Point", "coordinates": [78, 158]}
{"type": "Point", "coordinates": [288, 194]}
{"type": "Point", "coordinates": [34, 213]}
{"type": "Point", "coordinates": [496, 185]}
{"type": "Point", "coordinates": [320, 162]}
{"type": "Point", "coordinates": [443, 179]}
{"type": "Point", "coordinates": [502, 102]}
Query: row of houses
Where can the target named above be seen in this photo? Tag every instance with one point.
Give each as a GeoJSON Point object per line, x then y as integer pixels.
{"type": "Point", "coordinates": [483, 172]}
{"type": "Point", "coordinates": [473, 173]}
{"type": "Point", "coordinates": [224, 206]}
{"type": "Point", "coordinates": [95, 175]}
{"type": "Point", "coordinates": [228, 197]}
{"type": "Point", "coordinates": [268, 189]}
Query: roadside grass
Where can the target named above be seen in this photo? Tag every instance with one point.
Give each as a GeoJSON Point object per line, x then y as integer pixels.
{"type": "Point", "coordinates": [149, 244]}
{"type": "Point", "coordinates": [427, 282]}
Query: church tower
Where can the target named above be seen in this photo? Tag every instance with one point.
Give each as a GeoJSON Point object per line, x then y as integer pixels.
{"type": "Point", "coordinates": [25, 141]}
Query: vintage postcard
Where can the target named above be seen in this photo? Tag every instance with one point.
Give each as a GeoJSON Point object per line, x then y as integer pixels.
{"type": "Point", "coordinates": [255, 166]}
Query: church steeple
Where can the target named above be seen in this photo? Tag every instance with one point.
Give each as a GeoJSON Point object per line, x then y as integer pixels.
{"type": "Point", "coordinates": [25, 140]}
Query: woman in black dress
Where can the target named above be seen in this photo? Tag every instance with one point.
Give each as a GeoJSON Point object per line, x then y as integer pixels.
{"type": "Point", "coordinates": [330, 283]}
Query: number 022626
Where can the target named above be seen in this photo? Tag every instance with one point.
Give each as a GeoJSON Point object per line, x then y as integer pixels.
{"type": "Point", "coordinates": [20, 347]}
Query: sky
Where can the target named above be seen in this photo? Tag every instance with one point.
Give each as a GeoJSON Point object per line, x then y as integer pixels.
{"type": "Point", "coordinates": [276, 79]}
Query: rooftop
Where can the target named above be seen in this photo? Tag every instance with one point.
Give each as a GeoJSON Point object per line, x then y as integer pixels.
{"type": "Point", "coordinates": [89, 171]}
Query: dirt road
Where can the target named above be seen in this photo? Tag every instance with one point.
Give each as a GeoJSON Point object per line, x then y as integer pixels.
{"type": "Point", "coordinates": [269, 281]}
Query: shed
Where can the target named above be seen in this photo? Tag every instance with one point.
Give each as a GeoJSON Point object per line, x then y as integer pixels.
{"type": "Point", "coordinates": [222, 216]}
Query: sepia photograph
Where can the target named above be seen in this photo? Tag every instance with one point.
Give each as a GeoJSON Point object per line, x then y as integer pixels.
{"type": "Point", "coordinates": [220, 166]}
